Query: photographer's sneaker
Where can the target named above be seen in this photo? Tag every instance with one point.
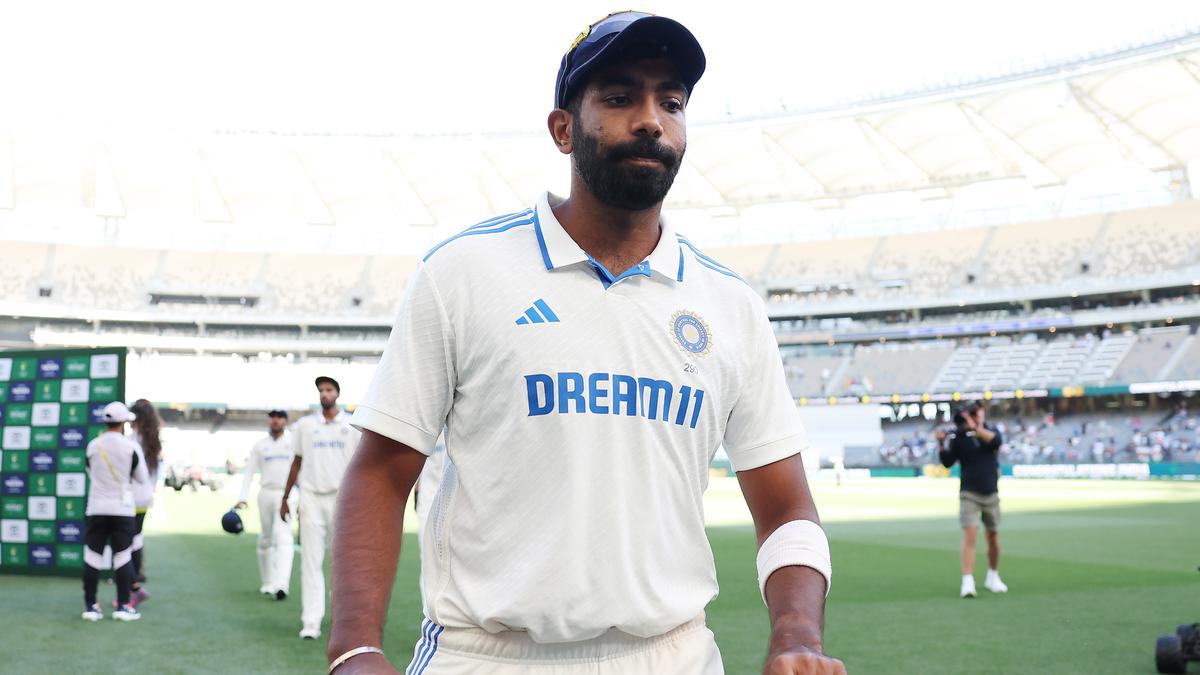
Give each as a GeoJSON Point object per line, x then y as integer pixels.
{"type": "Point", "coordinates": [968, 587]}
{"type": "Point", "coordinates": [310, 633]}
{"type": "Point", "coordinates": [93, 613]}
{"type": "Point", "coordinates": [994, 584]}
{"type": "Point", "coordinates": [126, 613]}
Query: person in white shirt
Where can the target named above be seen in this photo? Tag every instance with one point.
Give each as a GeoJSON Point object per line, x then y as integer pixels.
{"type": "Point", "coordinates": [322, 444]}
{"type": "Point", "coordinates": [114, 465]}
{"type": "Point", "coordinates": [272, 457]}
{"type": "Point", "coordinates": [586, 361]}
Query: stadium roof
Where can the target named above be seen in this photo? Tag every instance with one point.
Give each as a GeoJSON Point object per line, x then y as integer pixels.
{"type": "Point", "coordinates": [249, 190]}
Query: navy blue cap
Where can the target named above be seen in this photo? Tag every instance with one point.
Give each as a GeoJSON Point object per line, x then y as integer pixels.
{"type": "Point", "coordinates": [606, 38]}
{"type": "Point", "coordinates": [278, 413]}
{"type": "Point", "coordinates": [231, 522]}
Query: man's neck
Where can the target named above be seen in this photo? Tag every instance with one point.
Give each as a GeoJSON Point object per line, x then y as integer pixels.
{"type": "Point", "coordinates": [617, 238]}
{"type": "Point", "coordinates": [276, 434]}
{"type": "Point", "coordinates": [330, 413]}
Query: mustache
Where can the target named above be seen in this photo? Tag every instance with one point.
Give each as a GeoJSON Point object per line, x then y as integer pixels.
{"type": "Point", "coordinates": [643, 147]}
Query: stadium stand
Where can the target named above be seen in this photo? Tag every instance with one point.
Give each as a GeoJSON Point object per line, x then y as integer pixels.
{"type": "Point", "coordinates": [1105, 359]}
{"type": "Point", "coordinates": [1126, 436]}
{"type": "Point", "coordinates": [313, 284]}
{"type": "Point", "coordinates": [386, 277]}
{"type": "Point", "coordinates": [1146, 240]}
{"type": "Point", "coordinates": [1152, 349]}
{"type": "Point", "coordinates": [811, 375]}
{"type": "Point", "coordinates": [206, 272]}
{"type": "Point", "coordinates": [1187, 365]}
{"type": "Point", "coordinates": [22, 266]}
{"type": "Point", "coordinates": [108, 278]}
{"type": "Point", "coordinates": [829, 262]}
{"type": "Point", "coordinates": [1026, 254]}
{"type": "Point", "coordinates": [929, 264]}
{"type": "Point", "coordinates": [893, 367]}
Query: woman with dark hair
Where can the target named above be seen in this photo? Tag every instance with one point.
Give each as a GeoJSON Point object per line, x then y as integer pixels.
{"type": "Point", "coordinates": [146, 430]}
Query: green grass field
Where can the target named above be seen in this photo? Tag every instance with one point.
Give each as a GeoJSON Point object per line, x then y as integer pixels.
{"type": "Point", "coordinates": [1096, 570]}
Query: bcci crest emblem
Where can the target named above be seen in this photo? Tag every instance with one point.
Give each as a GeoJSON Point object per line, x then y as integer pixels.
{"type": "Point", "coordinates": [691, 333]}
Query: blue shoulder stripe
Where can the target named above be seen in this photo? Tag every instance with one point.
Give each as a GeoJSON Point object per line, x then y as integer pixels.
{"type": "Point", "coordinates": [710, 263]}
{"type": "Point", "coordinates": [486, 228]}
{"type": "Point", "coordinates": [498, 219]}
{"type": "Point", "coordinates": [700, 254]}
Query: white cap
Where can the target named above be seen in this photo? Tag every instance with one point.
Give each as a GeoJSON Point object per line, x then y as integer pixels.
{"type": "Point", "coordinates": [117, 412]}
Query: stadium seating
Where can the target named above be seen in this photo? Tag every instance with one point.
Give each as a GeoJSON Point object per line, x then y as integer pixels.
{"type": "Point", "coordinates": [1059, 363]}
{"type": "Point", "coordinates": [1128, 435]}
{"type": "Point", "coordinates": [1147, 240]}
{"type": "Point", "coordinates": [930, 263]}
{"type": "Point", "coordinates": [1104, 360]}
{"type": "Point", "coordinates": [811, 376]}
{"type": "Point", "coordinates": [892, 368]}
{"type": "Point", "coordinates": [386, 278]}
{"type": "Point", "coordinates": [1187, 367]}
{"type": "Point", "coordinates": [1027, 254]}
{"type": "Point", "coordinates": [21, 268]}
{"type": "Point", "coordinates": [1149, 354]}
{"type": "Point", "coordinates": [107, 278]}
{"type": "Point", "coordinates": [210, 272]}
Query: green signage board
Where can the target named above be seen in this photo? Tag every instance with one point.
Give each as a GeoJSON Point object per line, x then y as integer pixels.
{"type": "Point", "coordinates": [47, 399]}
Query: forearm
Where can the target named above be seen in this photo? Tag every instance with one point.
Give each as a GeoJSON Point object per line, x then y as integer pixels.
{"type": "Point", "coordinates": [796, 604]}
{"type": "Point", "coordinates": [293, 474]}
{"type": "Point", "coordinates": [947, 458]}
{"type": "Point", "coordinates": [984, 434]}
{"type": "Point", "coordinates": [366, 549]}
{"type": "Point", "coordinates": [247, 479]}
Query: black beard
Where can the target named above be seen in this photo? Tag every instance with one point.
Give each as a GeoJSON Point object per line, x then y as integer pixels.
{"type": "Point", "coordinates": [615, 184]}
{"type": "Point", "coordinates": [327, 406]}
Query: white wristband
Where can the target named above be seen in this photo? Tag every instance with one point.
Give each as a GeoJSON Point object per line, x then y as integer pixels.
{"type": "Point", "coordinates": [799, 542]}
{"type": "Point", "coordinates": [351, 654]}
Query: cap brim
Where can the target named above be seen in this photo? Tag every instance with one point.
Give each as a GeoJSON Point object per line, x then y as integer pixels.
{"type": "Point", "coordinates": [682, 49]}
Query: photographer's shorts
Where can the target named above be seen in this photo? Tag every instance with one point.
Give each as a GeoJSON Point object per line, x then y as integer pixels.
{"type": "Point", "coordinates": [686, 650]}
{"type": "Point", "coordinates": [972, 506]}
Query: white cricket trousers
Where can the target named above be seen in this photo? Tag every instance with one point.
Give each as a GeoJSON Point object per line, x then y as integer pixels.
{"type": "Point", "coordinates": [276, 544]}
{"type": "Point", "coordinates": [687, 650]}
{"type": "Point", "coordinates": [316, 533]}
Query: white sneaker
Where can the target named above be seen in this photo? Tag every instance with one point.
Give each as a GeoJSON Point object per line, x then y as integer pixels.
{"type": "Point", "coordinates": [126, 613]}
{"type": "Point", "coordinates": [93, 613]}
{"type": "Point", "coordinates": [968, 587]}
{"type": "Point", "coordinates": [265, 590]}
{"type": "Point", "coordinates": [994, 584]}
{"type": "Point", "coordinates": [310, 633]}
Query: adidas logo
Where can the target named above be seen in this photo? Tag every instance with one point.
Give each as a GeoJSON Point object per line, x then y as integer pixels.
{"type": "Point", "coordinates": [540, 312]}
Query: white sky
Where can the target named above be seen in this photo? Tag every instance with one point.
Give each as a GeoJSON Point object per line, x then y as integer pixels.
{"type": "Point", "coordinates": [435, 67]}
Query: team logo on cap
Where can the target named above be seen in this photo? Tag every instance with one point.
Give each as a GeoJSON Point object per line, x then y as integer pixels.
{"type": "Point", "coordinates": [691, 333]}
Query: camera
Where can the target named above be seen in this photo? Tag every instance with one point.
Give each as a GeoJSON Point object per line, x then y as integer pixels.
{"type": "Point", "coordinates": [960, 415]}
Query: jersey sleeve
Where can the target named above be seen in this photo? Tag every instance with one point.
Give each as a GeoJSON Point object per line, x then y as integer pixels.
{"type": "Point", "coordinates": [413, 387]}
{"type": "Point", "coordinates": [764, 425]}
{"type": "Point", "coordinates": [248, 472]}
{"type": "Point", "coordinates": [297, 444]}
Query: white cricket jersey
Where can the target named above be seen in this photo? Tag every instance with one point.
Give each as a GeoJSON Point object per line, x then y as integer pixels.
{"type": "Point", "coordinates": [325, 448]}
{"type": "Point", "coordinates": [112, 479]}
{"type": "Point", "coordinates": [272, 457]}
{"type": "Point", "coordinates": [581, 411]}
